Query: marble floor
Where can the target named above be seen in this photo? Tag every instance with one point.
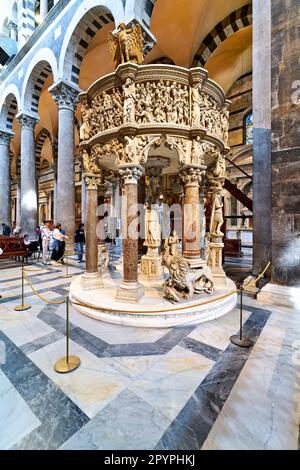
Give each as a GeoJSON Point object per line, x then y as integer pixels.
{"type": "Point", "coordinates": [183, 388]}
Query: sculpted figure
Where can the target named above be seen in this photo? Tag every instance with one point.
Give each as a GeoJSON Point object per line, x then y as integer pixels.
{"type": "Point", "coordinates": [153, 236]}
{"type": "Point", "coordinates": [183, 282]}
{"type": "Point", "coordinates": [85, 129]}
{"type": "Point", "coordinates": [217, 220]}
{"type": "Point", "coordinates": [196, 105]}
{"type": "Point", "coordinates": [86, 161]}
{"type": "Point", "coordinates": [126, 45]}
{"type": "Point", "coordinates": [129, 100]}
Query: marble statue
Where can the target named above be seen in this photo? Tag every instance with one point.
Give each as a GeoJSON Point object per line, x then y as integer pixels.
{"type": "Point", "coordinates": [183, 282]}
{"type": "Point", "coordinates": [217, 216]}
{"type": "Point", "coordinates": [153, 232]}
{"type": "Point", "coordinates": [129, 100]}
{"type": "Point", "coordinates": [85, 128]}
{"type": "Point", "coordinates": [126, 45]}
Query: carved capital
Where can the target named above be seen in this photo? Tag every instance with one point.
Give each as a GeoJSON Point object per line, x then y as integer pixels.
{"type": "Point", "coordinates": [26, 121]}
{"type": "Point", "coordinates": [130, 173]}
{"type": "Point", "coordinates": [5, 137]}
{"type": "Point", "coordinates": [191, 175]}
{"type": "Point", "coordinates": [65, 95]}
{"type": "Point", "coordinates": [92, 182]}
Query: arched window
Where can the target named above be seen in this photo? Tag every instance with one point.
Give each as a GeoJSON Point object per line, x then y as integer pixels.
{"type": "Point", "coordinates": [248, 128]}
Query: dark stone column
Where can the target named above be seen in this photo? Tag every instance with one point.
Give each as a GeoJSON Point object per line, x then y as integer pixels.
{"type": "Point", "coordinates": [5, 180]}
{"type": "Point", "coordinates": [285, 142]}
{"type": "Point", "coordinates": [130, 290]}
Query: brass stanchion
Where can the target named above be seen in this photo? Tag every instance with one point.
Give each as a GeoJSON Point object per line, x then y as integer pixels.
{"type": "Point", "coordinates": [23, 306]}
{"type": "Point", "coordinates": [66, 274]}
{"type": "Point", "coordinates": [240, 340]}
{"type": "Point", "coordinates": [68, 363]}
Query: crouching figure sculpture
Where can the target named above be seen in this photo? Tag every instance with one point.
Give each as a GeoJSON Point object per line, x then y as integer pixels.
{"type": "Point", "coordinates": [183, 282]}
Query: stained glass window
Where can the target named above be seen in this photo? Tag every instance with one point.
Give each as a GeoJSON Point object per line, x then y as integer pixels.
{"type": "Point", "coordinates": [249, 129]}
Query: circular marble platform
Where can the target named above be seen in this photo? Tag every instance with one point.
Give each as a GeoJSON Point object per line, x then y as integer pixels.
{"type": "Point", "coordinates": [152, 311]}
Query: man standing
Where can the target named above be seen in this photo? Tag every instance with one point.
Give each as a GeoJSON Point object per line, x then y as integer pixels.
{"type": "Point", "coordinates": [46, 235]}
{"type": "Point", "coordinates": [6, 230]}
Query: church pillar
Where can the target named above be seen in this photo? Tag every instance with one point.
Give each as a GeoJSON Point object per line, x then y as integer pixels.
{"type": "Point", "coordinates": [66, 98]}
{"type": "Point", "coordinates": [92, 278]}
{"type": "Point", "coordinates": [43, 9]}
{"type": "Point", "coordinates": [262, 193]}
{"type": "Point", "coordinates": [191, 177]}
{"type": "Point", "coordinates": [130, 290]}
{"type": "Point", "coordinates": [29, 198]}
{"type": "Point", "coordinates": [5, 181]}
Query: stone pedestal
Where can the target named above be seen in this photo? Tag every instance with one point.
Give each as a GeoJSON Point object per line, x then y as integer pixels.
{"type": "Point", "coordinates": [151, 267]}
{"type": "Point", "coordinates": [66, 98]}
{"type": "Point", "coordinates": [215, 263]}
{"type": "Point", "coordinates": [130, 290]}
{"type": "Point", "coordinates": [29, 198]}
{"type": "Point", "coordinates": [5, 206]}
{"type": "Point", "coordinates": [92, 278]}
{"type": "Point", "coordinates": [191, 177]}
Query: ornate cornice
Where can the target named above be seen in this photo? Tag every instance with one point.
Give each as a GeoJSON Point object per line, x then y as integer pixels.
{"type": "Point", "coordinates": [26, 121]}
{"type": "Point", "coordinates": [5, 137]}
{"type": "Point", "coordinates": [65, 95]}
{"type": "Point", "coordinates": [130, 173]}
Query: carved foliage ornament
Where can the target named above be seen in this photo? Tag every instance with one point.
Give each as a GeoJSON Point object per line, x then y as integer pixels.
{"type": "Point", "coordinates": [65, 96]}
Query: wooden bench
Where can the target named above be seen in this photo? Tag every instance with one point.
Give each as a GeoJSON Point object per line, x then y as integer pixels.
{"type": "Point", "coordinates": [12, 247]}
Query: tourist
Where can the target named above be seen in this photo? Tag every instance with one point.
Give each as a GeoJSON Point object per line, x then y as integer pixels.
{"type": "Point", "coordinates": [80, 241]}
{"type": "Point", "coordinates": [45, 235]}
{"type": "Point", "coordinates": [6, 230]}
{"type": "Point", "coordinates": [58, 244]}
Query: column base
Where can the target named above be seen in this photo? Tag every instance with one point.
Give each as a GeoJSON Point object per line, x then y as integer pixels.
{"type": "Point", "coordinates": [195, 263]}
{"type": "Point", "coordinates": [130, 292]}
{"type": "Point", "coordinates": [91, 281]}
{"type": "Point", "coordinates": [280, 295]}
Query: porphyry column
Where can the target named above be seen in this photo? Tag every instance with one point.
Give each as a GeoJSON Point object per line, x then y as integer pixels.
{"type": "Point", "coordinates": [29, 202]}
{"type": "Point", "coordinates": [191, 177]}
{"type": "Point", "coordinates": [130, 289]}
{"type": "Point", "coordinates": [66, 98]}
{"type": "Point", "coordinates": [5, 200]}
{"type": "Point", "coordinates": [92, 278]}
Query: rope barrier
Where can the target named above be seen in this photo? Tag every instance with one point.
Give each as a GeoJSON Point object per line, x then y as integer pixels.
{"type": "Point", "coordinates": [254, 281]}
{"type": "Point", "coordinates": [52, 302]}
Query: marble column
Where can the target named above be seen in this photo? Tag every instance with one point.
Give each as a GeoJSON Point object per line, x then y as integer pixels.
{"type": "Point", "coordinates": [18, 203]}
{"type": "Point", "coordinates": [92, 278]}
{"type": "Point", "coordinates": [262, 173]}
{"type": "Point", "coordinates": [191, 177]}
{"type": "Point", "coordinates": [215, 242]}
{"type": "Point", "coordinates": [29, 197]}
{"type": "Point", "coordinates": [101, 210]}
{"type": "Point", "coordinates": [5, 200]}
{"type": "Point", "coordinates": [83, 200]}
{"type": "Point", "coordinates": [66, 98]}
{"type": "Point", "coordinates": [130, 289]}
{"type": "Point", "coordinates": [43, 9]}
